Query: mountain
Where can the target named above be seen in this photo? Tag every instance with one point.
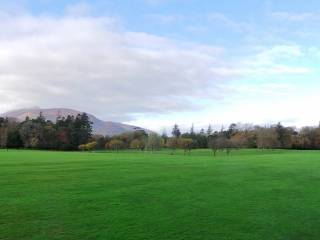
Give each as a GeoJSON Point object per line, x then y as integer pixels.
{"type": "Point", "coordinates": [99, 126]}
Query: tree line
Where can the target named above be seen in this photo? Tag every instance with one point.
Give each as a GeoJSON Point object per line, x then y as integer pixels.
{"type": "Point", "coordinates": [67, 133]}
{"type": "Point", "coordinates": [234, 137]}
{"type": "Point", "coordinates": [75, 133]}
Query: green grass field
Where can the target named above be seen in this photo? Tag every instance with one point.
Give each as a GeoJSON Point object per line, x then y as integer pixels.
{"type": "Point", "coordinates": [134, 195]}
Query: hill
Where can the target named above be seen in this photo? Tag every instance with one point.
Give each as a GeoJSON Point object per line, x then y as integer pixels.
{"type": "Point", "coordinates": [99, 126]}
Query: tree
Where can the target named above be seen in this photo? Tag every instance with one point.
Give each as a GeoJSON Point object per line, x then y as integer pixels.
{"type": "Point", "coordinates": [49, 136]}
{"type": "Point", "coordinates": [91, 146]}
{"type": "Point", "coordinates": [232, 130]}
{"type": "Point", "coordinates": [164, 137]}
{"type": "Point", "coordinates": [63, 126]}
{"type": "Point", "coordinates": [4, 127]}
{"type": "Point", "coordinates": [213, 144]}
{"type": "Point", "coordinates": [307, 138]}
{"type": "Point", "coordinates": [202, 132]}
{"type": "Point", "coordinates": [201, 140]}
{"type": "Point", "coordinates": [153, 142]}
{"type": "Point", "coordinates": [100, 140]}
{"type": "Point", "coordinates": [192, 133]}
{"type": "Point", "coordinates": [240, 140]}
{"type": "Point", "coordinates": [14, 140]}
{"type": "Point", "coordinates": [228, 145]}
{"type": "Point", "coordinates": [115, 144]}
{"type": "Point", "coordinates": [173, 144]}
{"type": "Point", "coordinates": [267, 138]}
{"type": "Point", "coordinates": [317, 138]}
{"type": "Point", "coordinates": [209, 130]}
{"type": "Point", "coordinates": [284, 136]}
{"type": "Point", "coordinates": [185, 144]}
{"type": "Point", "coordinates": [176, 131]}
{"type": "Point", "coordinates": [219, 141]}
{"type": "Point", "coordinates": [137, 144]}
{"type": "Point", "coordinates": [224, 143]}
{"type": "Point", "coordinates": [83, 147]}
{"type": "Point", "coordinates": [80, 130]}
{"type": "Point", "coordinates": [88, 147]}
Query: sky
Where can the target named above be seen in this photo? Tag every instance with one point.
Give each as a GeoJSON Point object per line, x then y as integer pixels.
{"type": "Point", "coordinates": [154, 63]}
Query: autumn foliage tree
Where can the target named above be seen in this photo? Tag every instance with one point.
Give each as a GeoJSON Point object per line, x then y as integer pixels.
{"type": "Point", "coordinates": [185, 144]}
{"type": "Point", "coordinates": [173, 144]}
{"type": "Point", "coordinates": [115, 145]}
{"type": "Point", "coordinates": [137, 144]}
{"type": "Point", "coordinates": [88, 147]}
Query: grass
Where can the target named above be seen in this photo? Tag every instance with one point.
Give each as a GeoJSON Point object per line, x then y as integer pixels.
{"type": "Point", "coordinates": [134, 195]}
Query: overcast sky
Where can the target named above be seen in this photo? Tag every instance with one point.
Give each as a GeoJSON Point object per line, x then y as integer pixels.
{"type": "Point", "coordinates": [154, 63]}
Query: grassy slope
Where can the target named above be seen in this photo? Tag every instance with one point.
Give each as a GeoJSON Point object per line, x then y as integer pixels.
{"type": "Point", "coordinates": [248, 195]}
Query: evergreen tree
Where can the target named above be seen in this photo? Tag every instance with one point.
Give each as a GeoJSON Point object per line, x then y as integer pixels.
{"type": "Point", "coordinates": [176, 131]}
{"type": "Point", "coordinates": [164, 136]}
{"type": "Point", "coordinates": [80, 130]}
{"type": "Point", "coordinates": [192, 133]}
{"type": "Point", "coordinates": [14, 140]}
{"type": "Point", "coordinates": [209, 130]}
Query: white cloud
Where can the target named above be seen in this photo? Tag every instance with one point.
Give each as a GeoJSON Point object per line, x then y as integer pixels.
{"type": "Point", "coordinates": [165, 18]}
{"type": "Point", "coordinates": [157, 2]}
{"type": "Point", "coordinates": [263, 104]}
{"type": "Point", "coordinates": [275, 60]}
{"type": "Point", "coordinates": [86, 63]}
{"type": "Point", "coordinates": [79, 9]}
{"type": "Point", "coordinates": [295, 16]}
{"type": "Point", "coordinates": [238, 26]}
{"type": "Point", "coordinates": [91, 64]}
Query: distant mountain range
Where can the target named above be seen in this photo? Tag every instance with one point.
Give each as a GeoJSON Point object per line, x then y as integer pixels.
{"type": "Point", "coordinates": [99, 126]}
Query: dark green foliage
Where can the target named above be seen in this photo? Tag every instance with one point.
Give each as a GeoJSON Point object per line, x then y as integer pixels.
{"type": "Point", "coordinates": [176, 131]}
{"type": "Point", "coordinates": [4, 128]}
{"type": "Point", "coordinates": [66, 134]}
{"type": "Point", "coordinates": [284, 135]}
{"type": "Point", "coordinates": [209, 130]}
{"type": "Point", "coordinates": [80, 130]}
{"type": "Point", "coordinates": [199, 140]}
{"type": "Point", "coordinates": [14, 140]}
{"type": "Point", "coordinates": [100, 140]}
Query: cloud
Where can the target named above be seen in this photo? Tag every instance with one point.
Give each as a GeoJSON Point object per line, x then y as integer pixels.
{"type": "Point", "coordinates": [156, 2]}
{"type": "Point", "coordinates": [278, 60]}
{"type": "Point", "coordinates": [165, 18]}
{"type": "Point", "coordinates": [87, 63]}
{"type": "Point", "coordinates": [95, 65]}
{"type": "Point", "coordinates": [79, 9]}
{"type": "Point", "coordinates": [238, 26]}
{"type": "Point", "coordinates": [295, 16]}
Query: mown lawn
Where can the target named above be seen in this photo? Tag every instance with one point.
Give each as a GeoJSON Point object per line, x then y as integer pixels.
{"type": "Point", "coordinates": [134, 195]}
